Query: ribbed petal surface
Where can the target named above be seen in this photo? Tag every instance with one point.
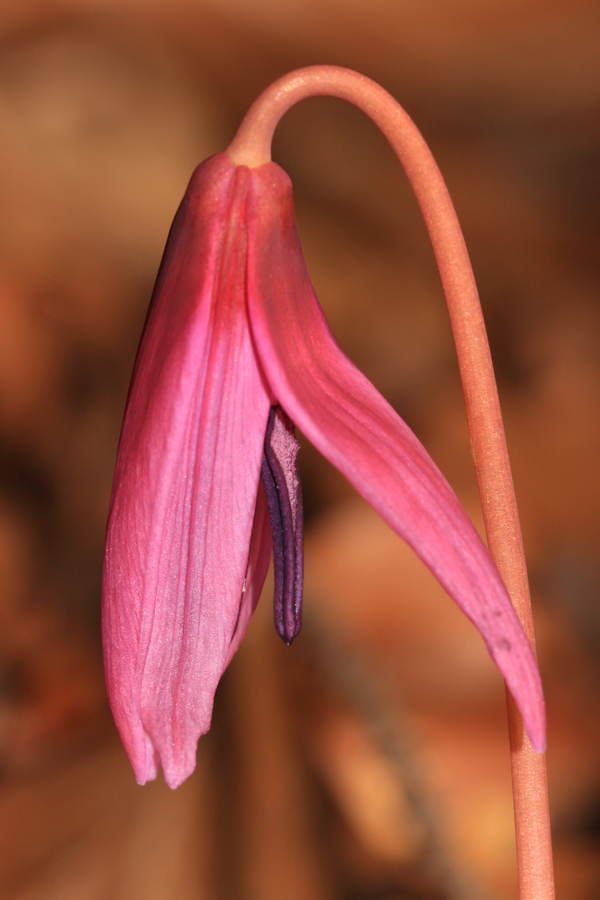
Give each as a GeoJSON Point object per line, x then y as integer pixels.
{"type": "Point", "coordinates": [351, 424]}
{"type": "Point", "coordinates": [261, 548]}
{"type": "Point", "coordinates": [185, 487]}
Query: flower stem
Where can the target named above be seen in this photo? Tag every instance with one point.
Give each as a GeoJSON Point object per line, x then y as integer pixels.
{"type": "Point", "coordinates": [252, 147]}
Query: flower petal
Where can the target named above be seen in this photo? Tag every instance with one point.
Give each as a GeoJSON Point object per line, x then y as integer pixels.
{"type": "Point", "coordinates": [352, 425]}
{"type": "Point", "coordinates": [261, 549]}
{"type": "Point", "coordinates": [186, 482]}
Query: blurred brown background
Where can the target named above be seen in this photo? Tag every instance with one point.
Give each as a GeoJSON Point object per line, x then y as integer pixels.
{"type": "Point", "coordinates": [370, 761]}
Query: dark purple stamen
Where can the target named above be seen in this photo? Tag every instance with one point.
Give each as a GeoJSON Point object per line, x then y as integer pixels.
{"type": "Point", "coordinates": [279, 475]}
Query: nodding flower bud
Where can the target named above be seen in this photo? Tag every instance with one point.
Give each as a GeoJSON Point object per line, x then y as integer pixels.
{"type": "Point", "coordinates": [235, 348]}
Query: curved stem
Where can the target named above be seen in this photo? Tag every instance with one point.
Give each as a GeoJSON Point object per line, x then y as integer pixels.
{"type": "Point", "coordinates": [252, 147]}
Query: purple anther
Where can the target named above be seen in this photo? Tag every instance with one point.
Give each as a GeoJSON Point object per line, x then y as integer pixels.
{"type": "Point", "coordinates": [279, 475]}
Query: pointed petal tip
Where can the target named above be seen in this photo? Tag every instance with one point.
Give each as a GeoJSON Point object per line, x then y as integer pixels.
{"type": "Point", "coordinates": [536, 732]}
{"type": "Point", "coordinates": [143, 758]}
{"type": "Point", "coordinates": [144, 778]}
{"type": "Point", "coordinates": [535, 726]}
{"type": "Point", "coordinates": [534, 722]}
{"type": "Point", "coordinates": [174, 773]}
{"type": "Point", "coordinates": [525, 685]}
{"type": "Point", "coordinates": [147, 760]}
{"type": "Point", "coordinates": [517, 663]}
{"type": "Point", "coordinates": [176, 779]}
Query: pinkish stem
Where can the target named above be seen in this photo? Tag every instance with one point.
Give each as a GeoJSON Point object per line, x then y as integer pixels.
{"type": "Point", "coordinates": [252, 147]}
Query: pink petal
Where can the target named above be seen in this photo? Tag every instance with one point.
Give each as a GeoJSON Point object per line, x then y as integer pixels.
{"type": "Point", "coordinates": [261, 548]}
{"type": "Point", "coordinates": [185, 488]}
{"type": "Point", "coordinates": [351, 424]}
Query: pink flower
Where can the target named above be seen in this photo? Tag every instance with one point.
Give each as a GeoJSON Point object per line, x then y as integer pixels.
{"type": "Point", "coordinates": [234, 336]}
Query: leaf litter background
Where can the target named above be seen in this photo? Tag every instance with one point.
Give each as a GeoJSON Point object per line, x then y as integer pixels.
{"type": "Point", "coordinates": [370, 761]}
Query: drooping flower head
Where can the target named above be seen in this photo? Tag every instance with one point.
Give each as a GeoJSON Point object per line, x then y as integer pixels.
{"type": "Point", "coordinates": [235, 351]}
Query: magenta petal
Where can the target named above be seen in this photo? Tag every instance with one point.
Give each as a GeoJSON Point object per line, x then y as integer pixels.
{"type": "Point", "coordinates": [261, 548]}
{"type": "Point", "coordinates": [351, 424]}
{"type": "Point", "coordinates": [185, 488]}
